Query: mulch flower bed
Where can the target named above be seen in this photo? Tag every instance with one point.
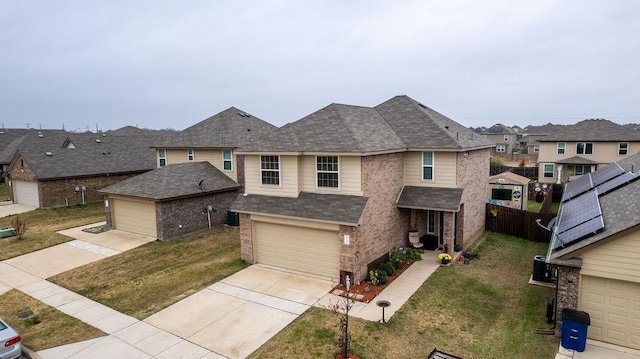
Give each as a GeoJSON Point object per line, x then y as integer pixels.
{"type": "Point", "coordinates": [365, 291]}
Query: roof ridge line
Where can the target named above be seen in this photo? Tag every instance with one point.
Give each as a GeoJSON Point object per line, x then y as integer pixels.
{"type": "Point", "coordinates": [353, 138]}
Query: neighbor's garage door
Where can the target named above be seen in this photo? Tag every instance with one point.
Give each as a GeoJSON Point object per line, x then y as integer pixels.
{"type": "Point", "coordinates": [26, 193]}
{"type": "Point", "coordinates": [306, 250]}
{"type": "Point", "coordinates": [614, 310]}
{"type": "Point", "coordinates": [134, 216]}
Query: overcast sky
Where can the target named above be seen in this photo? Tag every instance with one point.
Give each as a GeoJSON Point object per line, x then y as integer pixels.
{"type": "Point", "coordinates": [160, 64]}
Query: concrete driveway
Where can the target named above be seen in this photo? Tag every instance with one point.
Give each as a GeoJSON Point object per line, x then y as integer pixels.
{"type": "Point", "coordinates": [235, 316]}
{"type": "Point", "coordinates": [9, 208]}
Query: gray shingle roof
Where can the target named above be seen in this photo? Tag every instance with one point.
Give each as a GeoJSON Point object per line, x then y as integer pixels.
{"type": "Point", "coordinates": [433, 198]}
{"type": "Point", "coordinates": [230, 128]}
{"type": "Point", "coordinates": [174, 181]}
{"type": "Point", "coordinates": [113, 154]}
{"type": "Point", "coordinates": [595, 130]}
{"type": "Point", "coordinates": [631, 163]}
{"type": "Point", "coordinates": [324, 207]}
{"type": "Point", "coordinates": [395, 125]}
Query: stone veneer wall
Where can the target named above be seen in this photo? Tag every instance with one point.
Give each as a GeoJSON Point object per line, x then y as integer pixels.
{"type": "Point", "coordinates": [472, 174]}
{"type": "Point", "coordinates": [187, 212]}
{"type": "Point", "coordinates": [383, 226]}
{"type": "Point", "coordinates": [567, 292]}
{"type": "Point", "coordinates": [246, 242]}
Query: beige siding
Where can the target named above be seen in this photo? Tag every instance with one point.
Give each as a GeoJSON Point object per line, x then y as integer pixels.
{"type": "Point", "coordinates": [176, 156]}
{"type": "Point", "coordinates": [288, 177]}
{"type": "Point", "coordinates": [134, 216]}
{"type": "Point", "coordinates": [617, 259]}
{"type": "Point", "coordinates": [215, 158]}
{"type": "Point", "coordinates": [296, 222]}
{"type": "Point", "coordinates": [444, 170]}
{"type": "Point", "coordinates": [349, 181]}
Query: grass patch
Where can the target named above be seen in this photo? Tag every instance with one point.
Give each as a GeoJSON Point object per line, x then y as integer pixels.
{"type": "Point", "coordinates": [4, 192]}
{"type": "Point", "coordinates": [42, 225]}
{"type": "Point", "coordinates": [47, 327]}
{"type": "Point", "coordinates": [484, 310]}
{"type": "Point", "coordinates": [146, 279]}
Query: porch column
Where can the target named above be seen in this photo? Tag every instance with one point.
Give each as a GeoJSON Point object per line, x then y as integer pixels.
{"type": "Point", "coordinates": [559, 174]}
{"type": "Point", "coordinates": [448, 233]}
{"type": "Point", "coordinates": [593, 168]}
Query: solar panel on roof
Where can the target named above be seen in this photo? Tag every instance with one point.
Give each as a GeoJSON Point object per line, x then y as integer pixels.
{"type": "Point", "coordinates": [579, 232]}
{"type": "Point", "coordinates": [579, 210]}
{"type": "Point", "coordinates": [616, 183]}
{"type": "Point", "coordinates": [577, 187]}
{"type": "Point", "coordinates": [606, 173]}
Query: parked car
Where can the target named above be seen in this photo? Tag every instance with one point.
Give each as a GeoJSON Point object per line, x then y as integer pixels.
{"type": "Point", "coordinates": [10, 344]}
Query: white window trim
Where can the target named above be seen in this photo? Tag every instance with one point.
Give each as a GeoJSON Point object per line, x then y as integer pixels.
{"type": "Point", "coordinates": [626, 148]}
{"type": "Point", "coordinates": [338, 172]}
{"type": "Point", "coordinates": [593, 148]}
{"type": "Point", "coordinates": [553, 170]}
{"type": "Point", "coordinates": [433, 166]}
{"type": "Point", "coordinates": [564, 148]}
{"type": "Point", "coordinates": [506, 138]}
{"type": "Point", "coordinates": [536, 148]}
{"type": "Point", "coordinates": [191, 155]}
{"type": "Point", "coordinates": [279, 172]}
{"type": "Point", "coordinates": [435, 227]}
{"type": "Point", "coordinates": [160, 157]}
{"type": "Point", "coordinates": [231, 161]}
{"type": "Point", "coordinates": [500, 148]}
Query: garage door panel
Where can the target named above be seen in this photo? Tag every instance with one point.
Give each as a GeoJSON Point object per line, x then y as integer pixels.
{"type": "Point", "coordinates": [26, 193]}
{"type": "Point", "coordinates": [614, 309]}
{"type": "Point", "coordinates": [307, 250]}
{"type": "Point", "coordinates": [134, 216]}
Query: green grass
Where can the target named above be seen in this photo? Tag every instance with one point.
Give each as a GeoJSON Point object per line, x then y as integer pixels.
{"type": "Point", "coordinates": [48, 327]}
{"type": "Point", "coordinates": [484, 310]}
{"type": "Point", "coordinates": [533, 206]}
{"type": "Point", "coordinates": [144, 280]}
{"type": "Point", "coordinates": [42, 225]}
{"type": "Point", "coordinates": [4, 192]}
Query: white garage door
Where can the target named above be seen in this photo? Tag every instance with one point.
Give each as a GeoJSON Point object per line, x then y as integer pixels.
{"type": "Point", "coordinates": [306, 250]}
{"type": "Point", "coordinates": [134, 216]}
{"type": "Point", "coordinates": [26, 193]}
{"type": "Point", "coordinates": [614, 309]}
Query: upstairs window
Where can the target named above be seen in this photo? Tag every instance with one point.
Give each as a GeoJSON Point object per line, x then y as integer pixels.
{"type": "Point", "coordinates": [584, 148]}
{"type": "Point", "coordinates": [561, 148]}
{"type": "Point", "coordinates": [501, 148]}
{"type": "Point", "coordinates": [427, 166]}
{"type": "Point", "coordinates": [623, 148]}
{"type": "Point", "coordinates": [227, 160]}
{"type": "Point", "coordinates": [536, 148]}
{"type": "Point", "coordinates": [506, 138]}
{"type": "Point", "coordinates": [190, 155]}
{"type": "Point", "coordinates": [548, 170]}
{"type": "Point", "coordinates": [270, 170]}
{"type": "Point", "coordinates": [327, 171]}
{"type": "Point", "coordinates": [162, 157]}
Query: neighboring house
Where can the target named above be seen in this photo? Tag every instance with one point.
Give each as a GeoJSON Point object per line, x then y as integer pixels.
{"type": "Point", "coordinates": [333, 193]}
{"type": "Point", "coordinates": [11, 139]}
{"type": "Point", "coordinates": [504, 137]}
{"type": "Point", "coordinates": [595, 247]}
{"type": "Point", "coordinates": [529, 142]}
{"type": "Point", "coordinates": [582, 148]}
{"type": "Point", "coordinates": [509, 189]}
{"type": "Point", "coordinates": [170, 201]}
{"type": "Point", "coordinates": [214, 140]}
{"type": "Point", "coordinates": [167, 202]}
{"type": "Point", "coordinates": [65, 169]}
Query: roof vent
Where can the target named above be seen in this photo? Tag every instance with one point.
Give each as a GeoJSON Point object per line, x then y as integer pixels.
{"type": "Point", "coordinates": [98, 140]}
{"type": "Point", "coordinates": [40, 135]}
{"type": "Point", "coordinates": [48, 153]}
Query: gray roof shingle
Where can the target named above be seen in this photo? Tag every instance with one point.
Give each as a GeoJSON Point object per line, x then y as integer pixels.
{"type": "Point", "coordinates": [433, 198]}
{"type": "Point", "coordinates": [174, 181]}
{"type": "Point", "coordinates": [230, 128]}
{"type": "Point", "coordinates": [395, 125]}
{"type": "Point", "coordinates": [593, 130]}
{"type": "Point", "coordinates": [324, 207]}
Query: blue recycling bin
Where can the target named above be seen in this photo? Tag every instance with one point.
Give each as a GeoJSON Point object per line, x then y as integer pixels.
{"type": "Point", "coordinates": [574, 329]}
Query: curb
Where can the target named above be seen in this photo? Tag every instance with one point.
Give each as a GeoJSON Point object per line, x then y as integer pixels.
{"type": "Point", "coordinates": [29, 354]}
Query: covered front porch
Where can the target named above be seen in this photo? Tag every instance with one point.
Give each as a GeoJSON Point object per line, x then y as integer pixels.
{"type": "Point", "coordinates": [436, 216]}
{"type": "Point", "coordinates": [573, 167]}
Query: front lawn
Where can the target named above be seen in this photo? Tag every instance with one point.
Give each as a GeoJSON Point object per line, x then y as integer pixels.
{"type": "Point", "coordinates": [147, 279]}
{"type": "Point", "coordinates": [47, 327]}
{"type": "Point", "coordinates": [484, 310]}
{"type": "Point", "coordinates": [42, 225]}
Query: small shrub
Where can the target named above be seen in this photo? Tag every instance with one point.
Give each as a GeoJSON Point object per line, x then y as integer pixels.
{"type": "Point", "coordinates": [388, 268]}
{"type": "Point", "coordinates": [31, 321]}
{"type": "Point", "coordinates": [497, 161]}
{"type": "Point", "coordinates": [19, 226]}
{"type": "Point", "coordinates": [382, 277]}
{"type": "Point", "coordinates": [522, 163]}
{"type": "Point", "coordinates": [411, 255]}
{"type": "Point", "coordinates": [373, 277]}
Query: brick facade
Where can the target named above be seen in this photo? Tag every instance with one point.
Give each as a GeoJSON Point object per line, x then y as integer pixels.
{"type": "Point", "coordinates": [246, 238]}
{"type": "Point", "coordinates": [472, 171]}
{"type": "Point", "coordinates": [384, 226]}
{"type": "Point", "coordinates": [183, 216]}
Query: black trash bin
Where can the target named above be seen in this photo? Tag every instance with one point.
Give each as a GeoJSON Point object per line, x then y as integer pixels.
{"type": "Point", "coordinates": [575, 324]}
{"type": "Point", "coordinates": [541, 269]}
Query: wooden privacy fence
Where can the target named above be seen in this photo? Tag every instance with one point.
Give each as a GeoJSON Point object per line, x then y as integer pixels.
{"type": "Point", "coordinates": [518, 223]}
